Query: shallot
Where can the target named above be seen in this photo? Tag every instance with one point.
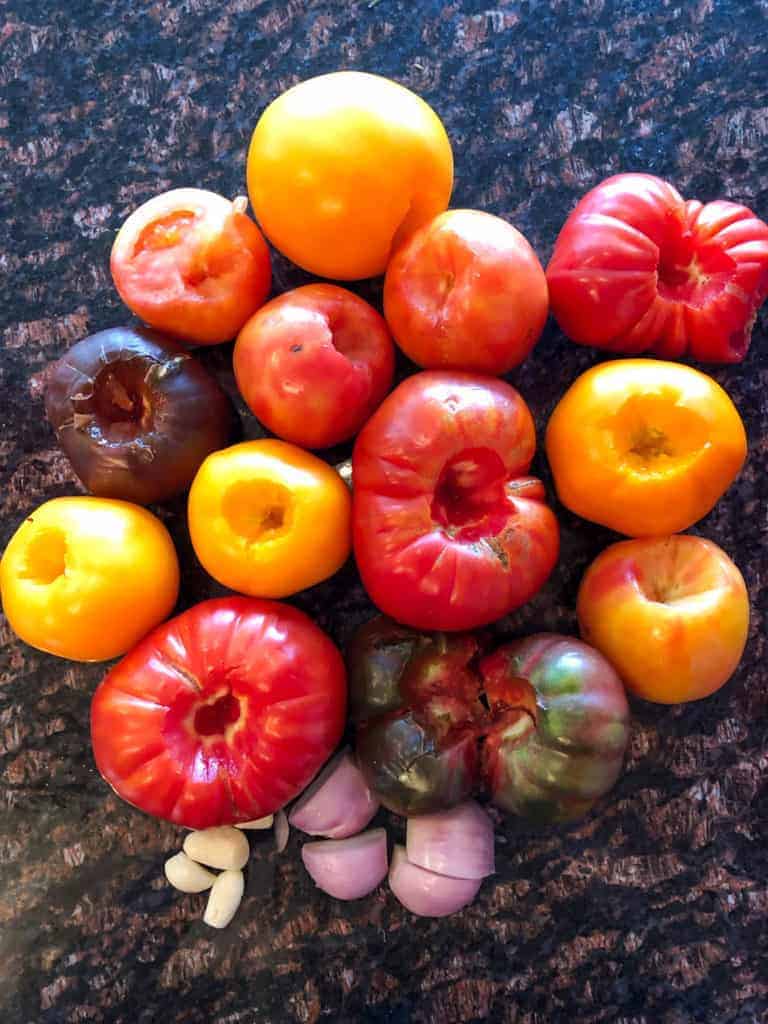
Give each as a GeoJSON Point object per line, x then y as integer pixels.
{"type": "Point", "coordinates": [457, 842]}
{"type": "Point", "coordinates": [425, 892]}
{"type": "Point", "coordinates": [348, 868]}
{"type": "Point", "coordinates": [338, 803]}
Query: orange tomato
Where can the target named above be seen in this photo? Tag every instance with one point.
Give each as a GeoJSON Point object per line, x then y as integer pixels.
{"type": "Point", "coordinates": [86, 578]}
{"type": "Point", "coordinates": [193, 264]}
{"type": "Point", "coordinates": [670, 613]}
{"type": "Point", "coordinates": [343, 167]}
{"type": "Point", "coordinates": [643, 446]}
{"type": "Point", "coordinates": [268, 519]}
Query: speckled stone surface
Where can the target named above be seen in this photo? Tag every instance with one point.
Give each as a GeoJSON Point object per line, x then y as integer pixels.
{"type": "Point", "coordinates": [652, 911]}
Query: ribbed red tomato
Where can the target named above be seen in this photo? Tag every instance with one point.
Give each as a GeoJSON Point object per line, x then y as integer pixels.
{"type": "Point", "coordinates": [449, 531]}
{"type": "Point", "coordinates": [222, 714]}
{"type": "Point", "coordinates": [637, 268]}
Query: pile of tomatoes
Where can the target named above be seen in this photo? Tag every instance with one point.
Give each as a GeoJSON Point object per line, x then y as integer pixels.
{"type": "Point", "coordinates": [226, 712]}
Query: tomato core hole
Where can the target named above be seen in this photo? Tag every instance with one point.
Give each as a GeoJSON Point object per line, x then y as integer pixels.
{"type": "Point", "coordinates": [692, 272]}
{"type": "Point", "coordinates": [346, 337]}
{"type": "Point", "coordinates": [470, 492]}
{"type": "Point", "coordinates": [257, 509]}
{"type": "Point", "coordinates": [117, 396]}
{"type": "Point", "coordinates": [677, 572]}
{"type": "Point", "coordinates": [46, 557]}
{"type": "Point", "coordinates": [213, 719]}
{"type": "Point", "coordinates": [165, 232]}
{"type": "Point", "coordinates": [649, 443]}
{"type": "Point", "coordinates": [654, 431]}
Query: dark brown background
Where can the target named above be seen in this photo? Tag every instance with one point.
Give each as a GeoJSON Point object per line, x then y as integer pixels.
{"type": "Point", "coordinates": [652, 910]}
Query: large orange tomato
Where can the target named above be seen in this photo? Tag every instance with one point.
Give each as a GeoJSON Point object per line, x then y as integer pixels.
{"type": "Point", "coordinates": [670, 613]}
{"type": "Point", "coordinates": [344, 167]}
{"type": "Point", "coordinates": [268, 519]}
{"type": "Point", "coordinates": [643, 446]}
{"type": "Point", "coordinates": [86, 578]}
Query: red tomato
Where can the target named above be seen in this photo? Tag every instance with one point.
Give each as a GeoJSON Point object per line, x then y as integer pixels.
{"type": "Point", "coordinates": [636, 268]}
{"type": "Point", "coordinates": [449, 531]}
{"type": "Point", "coordinates": [192, 264]}
{"type": "Point", "coordinates": [314, 363]}
{"type": "Point", "coordinates": [222, 714]}
{"type": "Point", "coordinates": [466, 292]}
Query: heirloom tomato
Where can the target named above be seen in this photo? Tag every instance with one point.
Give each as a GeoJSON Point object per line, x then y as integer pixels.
{"type": "Point", "coordinates": [343, 167]}
{"type": "Point", "coordinates": [192, 264]}
{"type": "Point", "coordinates": [417, 705]}
{"type": "Point", "coordinates": [449, 530]}
{"type": "Point", "coordinates": [466, 292]}
{"type": "Point", "coordinates": [135, 413]}
{"type": "Point", "coordinates": [636, 268]}
{"type": "Point", "coordinates": [314, 363]}
{"type": "Point", "coordinates": [644, 447]}
{"type": "Point", "coordinates": [267, 518]}
{"type": "Point", "coordinates": [86, 578]}
{"type": "Point", "coordinates": [540, 724]}
{"type": "Point", "coordinates": [222, 714]}
{"type": "Point", "coordinates": [670, 613]}
{"type": "Point", "coordinates": [566, 751]}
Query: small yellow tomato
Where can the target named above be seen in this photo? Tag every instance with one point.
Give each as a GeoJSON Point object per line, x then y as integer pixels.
{"type": "Point", "coordinates": [344, 167]}
{"type": "Point", "coordinates": [671, 614]}
{"type": "Point", "coordinates": [86, 578]}
{"type": "Point", "coordinates": [643, 446]}
{"type": "Point", "coordinates": [268, 519]}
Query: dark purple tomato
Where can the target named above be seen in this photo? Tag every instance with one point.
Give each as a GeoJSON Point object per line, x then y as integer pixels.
{"type": "Point", "coordinates": [540, 724]}
{"type": "Point", "coordinates": [416, 703]}
{"type": "Point", "coordinates": [136, 414]}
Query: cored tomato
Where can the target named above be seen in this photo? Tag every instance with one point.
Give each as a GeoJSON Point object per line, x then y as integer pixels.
{"type": "Point", "coordinates": [637, 268]}
{"type": "Point", "coordinates": [643, 446]}
{"type": "Point", "coordinates": [449, 531]}
{"type": "Point", "coordinates": [222, 714]}
{"type": "Point", "coordinates": [466, 292]}
{"type": "Point", "coordinates": [136, 413]}
{"type": "Point", "coordinates": [192, 264]}
{"type": "Point", "coordinates": [268, 519]}
{"type": "Point", "coordinates": [314, 363]}
{"type": "Point", "coordinates": [86, 578]}
{"type": "Point", "coordinates": [343, 167]}
{"type": "Point", "coordinates": [670, 613]}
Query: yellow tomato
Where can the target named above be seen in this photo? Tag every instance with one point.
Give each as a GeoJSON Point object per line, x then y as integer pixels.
{"type": "Point", "coordinates": [86, 578]}
{"type": "Point", "coordinates": [670, 613]}
{"type": "Point", "coordinates": [643, 446]}
{"type": "Point", "coordinates": [268, 519]}
{"type": "Point", "coordinates": [344, 167]}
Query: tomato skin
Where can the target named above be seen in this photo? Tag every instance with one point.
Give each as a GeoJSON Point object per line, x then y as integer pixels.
{"type": "Point", "coordinates": [85, 578]}
{"type": "Point", "coordinates": [670, 613]}
{"type": "Point", "coordinates": [268, 519]}
{"type": "Point", "coordinates": [466, 292]}
{"type": "Point", "coordinates": [192, 264]}
{"type": "Point", "coordinates": [658, 443]}
{"type": "Point", "coordinates": [449, 532]}
{"type": "Point", "coordinates": [277, 685]}
{"type": "Point", "coordinates": [343, 167]}
{"type": "Point", "coordinates": [636, 269]}
{"type": "Point", "coordinates": [314, 363]}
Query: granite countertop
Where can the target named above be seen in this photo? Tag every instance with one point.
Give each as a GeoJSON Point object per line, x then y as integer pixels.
{"type": "Point", "coordinates": [653, 909]}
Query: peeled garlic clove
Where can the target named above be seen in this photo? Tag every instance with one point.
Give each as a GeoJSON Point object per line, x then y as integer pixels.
{"type": "Point", "coordinates": [224, 899]}
{"type": "Point", "coordinates": [187, 875]}
{"type": "Point", "coordinates": [222, 847]}
{"type": "Point", "coordinates": [265, 822]}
